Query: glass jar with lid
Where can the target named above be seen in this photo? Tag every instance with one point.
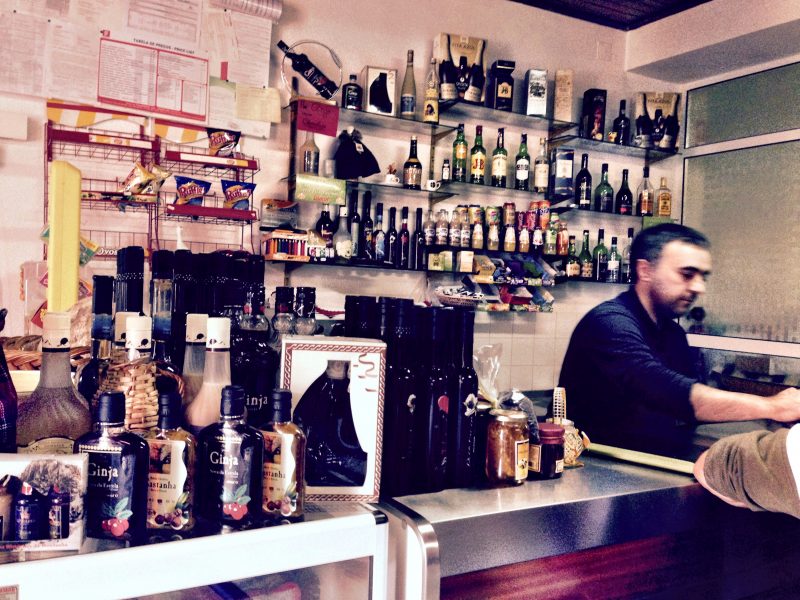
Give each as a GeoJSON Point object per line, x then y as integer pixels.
{"type": "Point", "coordinates": [507, 447]}
{"type": "Point", "coordinates": [551, 452]}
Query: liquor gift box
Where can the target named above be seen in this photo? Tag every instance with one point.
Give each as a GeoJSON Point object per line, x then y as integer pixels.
{"type": "Point", "coordinates": [460, 45]}
{"type": "Point", "coordinates": [664, 117]}
{"type": "Point", "coordinates": [536, 92]}
{"type": "Point", "coordinates": [593, 118]}
{"type": "Point", "coordinates": [562, 92]}
{"type": "Point", "coordinates": [380, 87]}
{"type": "Point", "coordinates": [42, 499]}
{"type": "Point", "coordinates": [337, 387]}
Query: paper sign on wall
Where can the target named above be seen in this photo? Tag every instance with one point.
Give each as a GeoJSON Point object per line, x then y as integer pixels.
{"type": "Point", "coordinates": [317, 117]}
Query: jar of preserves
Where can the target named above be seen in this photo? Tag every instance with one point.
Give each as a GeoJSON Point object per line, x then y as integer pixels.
{"type": "Point", "coordinates": [507, 447]}
{"type": "Point", "coordinates": [550, 452]}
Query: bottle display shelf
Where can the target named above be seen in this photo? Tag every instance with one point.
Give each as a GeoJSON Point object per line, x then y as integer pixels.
{"type": "Point", "coordinates": [569, 206]}
{"type": "Point", "coordinates": [296, 262]}
{"type": "Point", "coordinates": [442, 193]}
{"type": "Point", "coordinates": [208, 214]}
{"type": "Point", "coordinates": [360, 118]}
{"type": "Point", "coordinates": [461, 111]}
{"type": "Point", "coordinates": [562, 279]}
{"type": "Point", "coordinates": [650, 155]}
{"type": "Point", "coordinates": [489, 191]}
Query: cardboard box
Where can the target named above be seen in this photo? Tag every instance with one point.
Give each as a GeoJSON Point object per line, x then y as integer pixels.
{"type": "Point", "coordinates": [593, 118]}
{"type": "Point", "coordinates": [536, 92]}
{"type": "Point", "coordinates": [562, 104]}
{"type": "Point", "coordinates": [660, 106]}
{"type": "Point", "coordinates": [380, 89]}
{"type": "Point", "coordinates": [313, 188]}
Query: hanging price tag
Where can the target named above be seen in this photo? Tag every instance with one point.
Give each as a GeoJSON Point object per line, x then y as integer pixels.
{"type": "Point", "coordinates": [317, 117]}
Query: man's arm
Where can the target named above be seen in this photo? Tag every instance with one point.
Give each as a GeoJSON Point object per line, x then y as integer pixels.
{"type": "Point", "coordinates": [714, 405]}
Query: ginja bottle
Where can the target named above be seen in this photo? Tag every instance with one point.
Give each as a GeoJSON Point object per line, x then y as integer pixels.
{"type": "Point", "coordinates": [463, 405]}
{"type": "Point", "coordinates": [230, 464]}
{"type": "Point", "coordinates": [116, 496]}
{"type": "Point", "coordinates": [204, 409]}
{"type": "Point", "coordinates": [325, 415]}
{"type": "Point", "coordinates": [194, 355]}
{"type": "Point", "coordinates": [55, 415]}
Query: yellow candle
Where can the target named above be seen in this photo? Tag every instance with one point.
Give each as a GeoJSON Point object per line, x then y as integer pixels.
{"type": "Point", "coordinates": [63, 247]}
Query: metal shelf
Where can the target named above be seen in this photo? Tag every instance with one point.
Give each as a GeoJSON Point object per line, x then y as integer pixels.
{"type": "Point", "coordinates": [649, 155]}
{"type": "Point", "coordinates": [103, 194]}
{"type": "Point", "coordinates": [193, 162]}
{"type": "Point", "coordinates": [487, 191]}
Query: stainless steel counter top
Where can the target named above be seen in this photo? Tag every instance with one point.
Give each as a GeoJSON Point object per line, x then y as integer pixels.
{"type": "Point", "coordinates": [605, 502]}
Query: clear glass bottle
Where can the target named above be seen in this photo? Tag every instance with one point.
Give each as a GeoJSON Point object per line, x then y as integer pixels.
{"type": "Point", "coordinates": [309, 155]}
{"type": "Point", "coordinates": [194, 357]}
{"type": "Point", "coordinates": [92, 372]}
{"type": "Point", "coordinates": [55, 414]}
{"type": "Point", "coordinates": [324, 414]}
{"type": "Point", "coordinates": [170, 494]}
{"type": "Point", "coordinates": [305, 306]}
{"type": "Point", "coordinates": [284, 460]}
{"type": "Point", "coordinates": [230, 464]}
{"type": "Point", "coordinates": [429, 229]}
{"type": "Point", "coordinates": [342, 239]}
{"type": "Point", "coordinates": [477, 169]}
{"type": "Point", "coordinates": [430, 111]}
{"type": "Point", "coordinates": [204, 409]}
{"type": "Point", "coordinates": [116, 496]}
{"type": "Point", "coordinates": [613, 266]}
{"type": "Point", "coordinates": [408, 92]}
{"type": "Point", "coordinates": [500, 161]}
{"type": "Point", "coordinates": [541, 169]}
{"type": "Point", "coordinates": [442, 228]}
{"type": "Point", "coordinates": [184, 299]}
{"type": "Point", "coordinates": [625, 273]}
{"type": "Point", "coordinates": [448, 75]}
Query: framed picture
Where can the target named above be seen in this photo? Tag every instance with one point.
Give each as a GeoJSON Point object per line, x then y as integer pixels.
{"type": "Point", "coordinates": [337, 387]}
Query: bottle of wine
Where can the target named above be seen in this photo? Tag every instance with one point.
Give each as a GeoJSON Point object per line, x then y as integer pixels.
{"type": "Point", "coordinates": [204, 409]}
{"type": "Point", "coordinates": [625, 273]}
{"type": "Point", "coordinates": [624, 196]}
{"type": "Point", "coordinates": [366, 230]}
{"type": "Point", "coordinates": [352, 94]}
{"type": "Point", "coordinates": [418, 244]}
{"type": "Point", "coordinates": [184, 295]}
{"type": "Point", "coordinates": [8, 403]}
{"type": "Point", "coordinates": [116, 495]}
{"type": "Point", "coordinates": [664, 199]}
{"type": "Point", "coordinates": [477, 78]}
{"type": "Point", "coordinates": [309, 155]}
{"type": "Point", "coordinates": [621, 128]}
{"type": "Point", "coordinates": [324, 226]}
{"type": "Point", "coordinates": [462, 77]}
{"type": "Point", "coordinates": [230, 464]}
{"type": "Point", "coordinates": [324, 414]}
{"type": "Point", "coordinates": [379, 235]}
{"type": "Point", "coordinates": [284, 460]}
{"type": "Point", "coordinates": [460, 167]}
{"type": "Point", "coordinates": [573, 266]}
{"type": "Point", "coordinates": [583, 185]}
{"type": "Point", "coordinates": [302, 64]}
{"type": "Point", "coordinates": [412, 168]}
{"type": "Point", "coordinates": [448, 77]}
{"type": "Point", "coordinates": [463, 402]}
{"type": "Point", "coordinates": [430, 111]}
{"type": "Point", "coordinates": [90, 374]}
{"type": "Point", "coordinates": [604, 193]}
{"type": "Point", "coordinates": [404, 242]}
{"type": "Point", "coordinates": [613, 266]}
{"type": "Point", "coordinates": [600, 258]}
{"type": "Point", "coordinates": [500, 161]}
{"type": "Point", "coordinates": [541, 169]}
{"type": "Point", "coordinates": [342, 239]}
{"type": "Point", "coordinates": [355, 225]}
{"type": "Point", "coordinates": [585, 258]}
{"type": "Point", "coordinates": [644, 127]}
{"type": "Point", "coordinates": [477, 169]}
{"type": "Point", "coordinates": [522, 165]}
{"type": "Point", "coordinates": [408, 93]}
{"type": "Point", "coordinates": [645, 195]}
{"type": "Point", "coordinates": [55, 414]}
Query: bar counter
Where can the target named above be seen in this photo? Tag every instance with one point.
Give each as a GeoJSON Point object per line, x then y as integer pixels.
{"type": "Point", "coordinates": [631, 531]}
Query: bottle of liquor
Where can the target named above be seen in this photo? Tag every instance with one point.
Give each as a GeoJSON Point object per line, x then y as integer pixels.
{"type": "Point", "coordinates": [466, 231]}
{"type": "Point", "coordinates": [366, 245]}
{"type": "Point", "coordinates": [625, 274]}
{"type": "Point", "coordinates": [583, 185]}
{"type": "Point", "coordinates": [116, 495]}
{"type": "Point", "coordinates": [671, 128]}
{"type": "Point", "coordinates": [551, 236]}
{"type": "Point", "coordinates": [477, 169]}
{"type": "Point", "coordinates": [55, 414]}
{"type": "Point", "coordinates": [204, 409]}
{"type": "Point", "coordinates": [284, 460]}
{"type": "Point", "coordinates": [460, 167]}
{"type": "Point", "coordinates": [604, 193]}
{"type": "Point", "coordinates": [477, 79]}
{"type": "Point", "coordinates": [522, 165]}
{"type": "Point", "coordinates": [645, 195]}
{"type": "Point", "coordinates": [170, 494]}
{"type": "Point", "coordinates": [404, 242]}
{"type": "Point", "coordinates": [389, 238]}
{"type": "Point", "coordinates": [408, 93]}
{"type": "Point", "coordinates": [324, 226]}
{"type": "Point", "coordinates": [309, 71]}
{"type": "Point", "coordinates": [8, 403]}
{"type": "Point", "coordinates": [90, 374]}
{"type": "Point", "coordinates": [463, 403]}
{"type": "Point", "coordinates": [613, 266]}
{"type": "Point", "coordinates": [644, 127]}
{"type": "Point", "coordinates": [442, 228]}
{"type": "Point", "coordinates": [446, 173]}
{"type": "Point", "coordinates": [352, 94]}
{"type": "Point", "coordinates": [624, 205]}
{"type": "Point", "coordinates": [562, 239]}
{"type": "Point", "coordinates": [600, 258]}
{"type": "Point", "coordinates": [418, 244]}
{"type": "Point", "coordinates": [184, 299]}
{"type": "Point", "coordinates": [324, 414]}
{"type": "Point", "coordinates": [29, 514]}
{"type": "Point", "coordinates": [342, 239]}
{"type": "Point", "coordinates": [573, 266]}
{"type": "Point", "coordinates": [585, 258]}
{"type": "Point", "coordinates": [621, 127]}
{"type": "Point", "coordinates": [129, 282]}
{"type": "Point", "coordinates": [194, 357]}
{"type": "Point", "coordinates": [379, 235]}
{"type": "Point", "coordinates": [412, 168]}
{"type": "Point", "coordinates": [541, 169]}
{"type": "Point", "coordinates": [500, 162]}
{"type": "Point", "coordinates": [230, 464]}
{"type": "Point", "coordinates": [431, 426]}
{"type": "Point", "coordinates": [454, 230]}
{"type": "Point", "coordinates": [355, 225]}
{"type": "Point", "coordinates": [309, 155]}
{"type": "Point", "coordinates": [462, 76]}
{"type": "Point", "coordinates": [429, 229]}
{"type": "Point", "coordinates": [664, 199]}
{"type": "Point", "coordinates": [448, 77]}
{"type": "Point", "coordinates": [430, 111]}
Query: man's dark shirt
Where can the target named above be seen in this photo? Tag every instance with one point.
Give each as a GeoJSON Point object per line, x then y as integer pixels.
{"type": "Point", "coordinates": [628, 379]}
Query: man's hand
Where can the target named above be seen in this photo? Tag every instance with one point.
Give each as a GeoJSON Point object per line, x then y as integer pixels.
{"type": "Point", "coordinates": [785, 405]}
{"type": "Point", "coordinates": [713, 405]}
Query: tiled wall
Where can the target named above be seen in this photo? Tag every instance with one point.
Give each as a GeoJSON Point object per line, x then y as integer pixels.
{"type": "Point", "coordinates": [534, 344]}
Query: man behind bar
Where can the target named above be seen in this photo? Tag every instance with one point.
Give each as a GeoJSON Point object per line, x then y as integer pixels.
{"type": "Point", "coordinates": [630, 376]}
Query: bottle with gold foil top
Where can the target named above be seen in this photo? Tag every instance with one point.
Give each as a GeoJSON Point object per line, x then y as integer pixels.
{"type": "Point", "coordinates": [170, 493]}
{"type": "Point", "coordinates": [55, 415]}
{"type": "Point", "coordinates": [284, 460]}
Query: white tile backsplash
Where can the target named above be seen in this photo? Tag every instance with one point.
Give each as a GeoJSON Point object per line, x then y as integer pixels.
{"type": "Point", "coordinates": [522, 348]}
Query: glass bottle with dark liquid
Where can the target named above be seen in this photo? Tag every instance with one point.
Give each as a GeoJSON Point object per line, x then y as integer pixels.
{"type": "Point", "coordinates": [89, 375]}
{"type": "Point", "coordinates": [463, 404]}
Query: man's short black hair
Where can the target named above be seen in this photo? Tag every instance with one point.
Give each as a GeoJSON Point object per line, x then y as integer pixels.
{"type": "Point", "coordinates": [648, 244]}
